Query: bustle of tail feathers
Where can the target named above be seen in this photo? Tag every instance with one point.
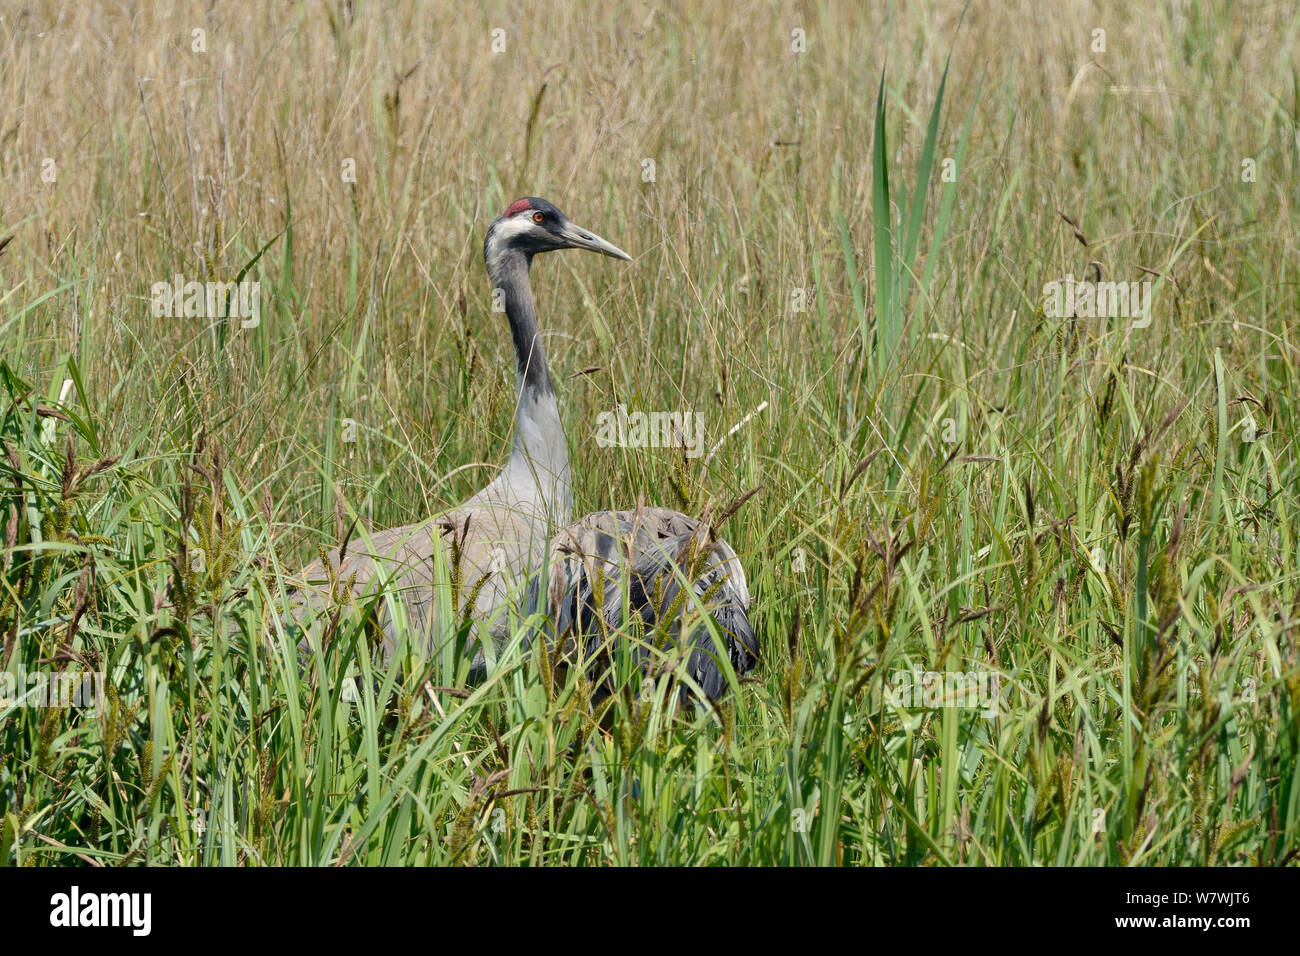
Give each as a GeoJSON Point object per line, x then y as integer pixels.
{"type": "Point", "coordinates": [648, 553]}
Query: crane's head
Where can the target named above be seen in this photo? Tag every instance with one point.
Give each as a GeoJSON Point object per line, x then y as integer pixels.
{"type": "Point", "coordinates": [533, 225]}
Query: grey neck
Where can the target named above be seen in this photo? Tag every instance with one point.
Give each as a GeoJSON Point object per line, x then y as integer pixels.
{"type": "Point", "coordinates": [539, 461]}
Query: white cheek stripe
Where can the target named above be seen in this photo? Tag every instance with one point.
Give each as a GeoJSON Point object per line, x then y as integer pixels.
{"type": "Point", "coordinates": [504, 233]}
{"type": "Point", "coordinates": [513, 228]}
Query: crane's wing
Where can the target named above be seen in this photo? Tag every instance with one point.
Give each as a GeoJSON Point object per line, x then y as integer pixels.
{"type": "Point", "coordinates": [645, 556]}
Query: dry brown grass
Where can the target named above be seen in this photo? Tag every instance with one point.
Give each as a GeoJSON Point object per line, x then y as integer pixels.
{"type": "Point", "coordinates": [196, 175]}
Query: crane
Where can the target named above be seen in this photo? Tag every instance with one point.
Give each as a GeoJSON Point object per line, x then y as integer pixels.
{"type": "Point", "coordinates": [507, 550]}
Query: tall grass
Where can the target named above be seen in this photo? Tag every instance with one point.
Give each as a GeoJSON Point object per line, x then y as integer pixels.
{"type": "Point", "coordinates": [1100, 512]}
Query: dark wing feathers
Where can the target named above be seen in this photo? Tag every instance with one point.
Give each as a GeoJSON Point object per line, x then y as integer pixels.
{"type": "Point", "coordinates": [647, 555]}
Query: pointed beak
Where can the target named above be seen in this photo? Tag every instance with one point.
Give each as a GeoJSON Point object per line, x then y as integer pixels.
{"type": "Point", "coordinates": [579, 238]}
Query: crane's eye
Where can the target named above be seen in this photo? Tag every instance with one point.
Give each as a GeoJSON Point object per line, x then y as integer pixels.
{"type": "Point", "coordinates": [539, 217]}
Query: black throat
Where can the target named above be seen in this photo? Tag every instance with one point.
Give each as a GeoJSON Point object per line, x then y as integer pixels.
{"type": "Point", "coordinates": [509, 275]}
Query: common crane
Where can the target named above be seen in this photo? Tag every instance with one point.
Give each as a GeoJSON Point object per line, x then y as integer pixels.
{"type": "Point", "coordinates": [504, 539]}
